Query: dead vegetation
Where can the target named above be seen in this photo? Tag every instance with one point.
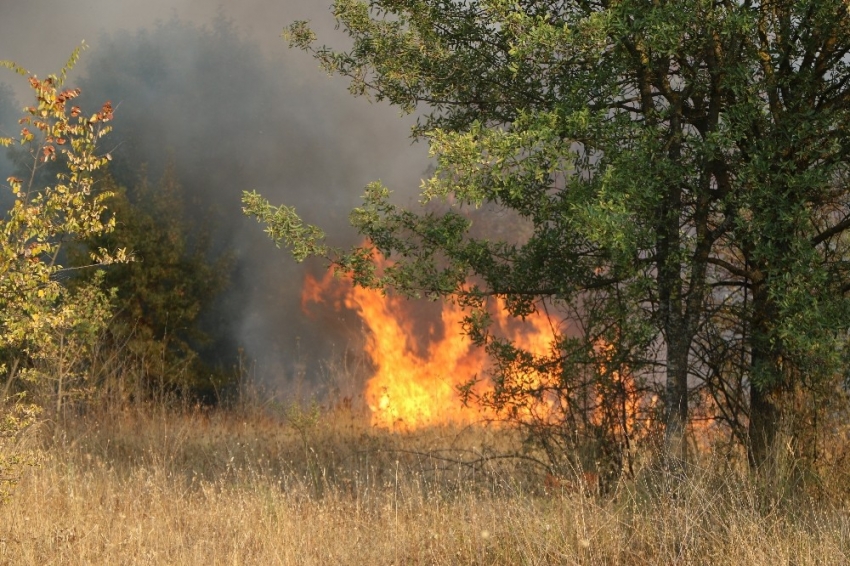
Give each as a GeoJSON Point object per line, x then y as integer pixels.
{"type": "Point", "coordinates": [304, 485]}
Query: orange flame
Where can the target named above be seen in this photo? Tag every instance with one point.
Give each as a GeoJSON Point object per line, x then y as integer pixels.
{"type": "Point", "coordinates": [418, 372]}
{"type": "Point", "coordinates": [416, 385]}
{"type": "Point", "coordinates": [407, 388]}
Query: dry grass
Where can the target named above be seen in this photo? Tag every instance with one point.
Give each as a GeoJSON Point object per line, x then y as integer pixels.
{"type": "Point", "coordinates": [152, 487]}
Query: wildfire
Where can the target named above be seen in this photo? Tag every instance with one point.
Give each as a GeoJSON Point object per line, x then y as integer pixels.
{"type": "Point", "coordinates": [416, 378]}
{"type": "Point", "coordinates": [420, 362]}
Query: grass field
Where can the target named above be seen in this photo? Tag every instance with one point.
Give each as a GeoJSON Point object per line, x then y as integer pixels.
{"type": "Point", "coordinates": [298, 486]}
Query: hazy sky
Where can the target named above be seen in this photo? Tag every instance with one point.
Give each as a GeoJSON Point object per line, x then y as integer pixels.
{"type": "Point", "coordinates": [39, 34]}
{"type": "Point", "coordinates": [313, 146]}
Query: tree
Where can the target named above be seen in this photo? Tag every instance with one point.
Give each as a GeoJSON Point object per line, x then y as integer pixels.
{"type": "Point", "coordinates": [682, 166]}
{"type": "Point", "coordinates": [161, 294]}
{"type": "Point", "coordinates": [40, 318]}
{"type": "Point", "coordinates": [44, 218]}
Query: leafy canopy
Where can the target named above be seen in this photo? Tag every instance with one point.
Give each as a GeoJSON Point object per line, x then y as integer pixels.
{"type": "Point", "coordinates": [676, 171]}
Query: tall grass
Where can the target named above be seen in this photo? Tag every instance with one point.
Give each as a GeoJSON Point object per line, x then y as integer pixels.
{"type": "Point", "coordinates": [301, 485]}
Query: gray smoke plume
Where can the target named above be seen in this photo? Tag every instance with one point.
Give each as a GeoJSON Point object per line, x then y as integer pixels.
{"type": "Point", "coordinates": [215, 90]}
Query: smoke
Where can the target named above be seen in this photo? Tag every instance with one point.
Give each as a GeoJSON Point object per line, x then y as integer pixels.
{"type": "Point", "coordinates": [8, 129]}
{"type": "Point", "coordinates": [213, 89]}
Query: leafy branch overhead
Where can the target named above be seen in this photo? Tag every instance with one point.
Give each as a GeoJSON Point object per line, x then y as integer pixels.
{"type": "Point", "coordinates": [284, 226]}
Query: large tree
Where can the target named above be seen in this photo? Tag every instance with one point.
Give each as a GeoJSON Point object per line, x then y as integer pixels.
{"type": "Point", "coordinates": [680, 167]}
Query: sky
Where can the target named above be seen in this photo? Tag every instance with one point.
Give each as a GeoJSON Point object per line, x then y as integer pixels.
{"type": "Point", "coordinates": [269, 119]}
{"type": "Point", "coordinates": [39, 34]}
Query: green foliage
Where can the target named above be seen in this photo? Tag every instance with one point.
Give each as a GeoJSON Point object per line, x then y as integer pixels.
{"type": "Point", "coordinates": [284, 225]}
{"type": "Point", "coordinates": [60, 367]}
{"type": "Point", "coordinates": [161, 294]}
{"type": "Point", "coordinates": [682, 167]}
{"type": "Point", "coordinates": [33, 302]}
{"type": "Point", "coordinates": [45, 327]}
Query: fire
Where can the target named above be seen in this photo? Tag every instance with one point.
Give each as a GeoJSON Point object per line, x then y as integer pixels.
{"type": "Point", "coordinates": [409, 389]}
{"type": "Point", "coordinates": [419, 366]}
{"type": "Point", "coordinates": [416, 380]}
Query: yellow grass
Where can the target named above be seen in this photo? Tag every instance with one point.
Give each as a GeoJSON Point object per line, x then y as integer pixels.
{"type": "Point", "coordinates": [153, 487]}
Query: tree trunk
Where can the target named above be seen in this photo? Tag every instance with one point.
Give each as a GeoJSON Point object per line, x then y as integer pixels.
{"type": "Point", "coordinates": [764, 422]}
{"type": "Point", "coordinates": [676, 393]}
{"type": "Point", "coordinates": [765, 378]}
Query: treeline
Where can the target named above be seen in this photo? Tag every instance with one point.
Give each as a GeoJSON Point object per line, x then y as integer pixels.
{"type": "Point", "coordinates": [190, 106]}
{"type": "Point", "coordinates": [159, 326]}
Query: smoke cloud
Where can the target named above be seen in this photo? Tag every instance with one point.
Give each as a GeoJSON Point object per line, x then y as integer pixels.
{"type": "Point", "coordinates": [215, 90]}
